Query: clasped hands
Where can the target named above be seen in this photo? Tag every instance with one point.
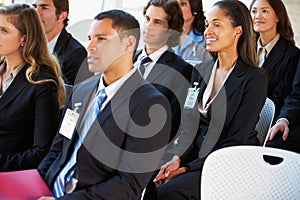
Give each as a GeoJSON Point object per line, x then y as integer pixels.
{"type": "Point", "coordinates": [169, 171]}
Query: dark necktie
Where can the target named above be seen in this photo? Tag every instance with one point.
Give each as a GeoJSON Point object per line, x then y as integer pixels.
{"type": "Point", "coordinates": [144, 62]}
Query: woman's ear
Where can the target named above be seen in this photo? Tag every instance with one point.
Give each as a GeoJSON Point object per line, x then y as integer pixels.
{"type": "Point", "coordinates": [22, 40]}
{"type": "Point", "coordinates": [238, 31]}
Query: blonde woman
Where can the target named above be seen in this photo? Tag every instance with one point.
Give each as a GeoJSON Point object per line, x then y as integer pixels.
{"type": "Point", "coordinates": [31, 89]}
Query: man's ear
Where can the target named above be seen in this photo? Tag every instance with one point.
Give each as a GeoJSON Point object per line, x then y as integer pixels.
{"type": "Point", "coordinates": [130, 43]}
{"type": "Point", "coordinates": [63, 15]}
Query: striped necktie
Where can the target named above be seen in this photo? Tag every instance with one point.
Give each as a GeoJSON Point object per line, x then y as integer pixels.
{"type": "Point", "coordinates": [68, 171]}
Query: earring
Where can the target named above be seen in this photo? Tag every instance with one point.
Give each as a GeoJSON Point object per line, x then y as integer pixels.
{"type": "Point", "coordinates": [195, 13]}
{"type": "Point", "coordinates": [22, 45]}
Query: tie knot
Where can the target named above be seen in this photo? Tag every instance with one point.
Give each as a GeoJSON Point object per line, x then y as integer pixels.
{"type": "Point", "coordinates": [145, 60]}
{"type": "Point", "coordinates": [101, 95]}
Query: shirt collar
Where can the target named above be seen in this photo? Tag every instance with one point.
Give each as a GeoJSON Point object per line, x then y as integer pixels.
{"type": "Point", "coordinates": [13, 73]}
{"type": "Point", "coordinates": [113, 88]}
{"type": "Point", "coordinates": [52, 43]}
{"type": "Point", "coordinates": [193, 36]}
{"type": "Point", "coordinates": [270, 45]}
{"type": "Point", "coordinates": [155, 55]}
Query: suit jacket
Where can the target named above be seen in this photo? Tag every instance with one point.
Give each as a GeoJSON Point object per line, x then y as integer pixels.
{"type": "Point", "coordinates": [118, 156]}
{"type": "Point", "coordinates": [280, 67]}
{"type": "Point", "coordinates": [171, 75]}
{"type": "Point", "coordinates": [290, 111]}
{"type": "Point", "coordinates": [29, 117]}
{"type": "Point", "coordinates": [291, 108]}
{"type": "Point", "coordinates": [231, 118]}
{"type": "Point", "coordinates": [72, 58]}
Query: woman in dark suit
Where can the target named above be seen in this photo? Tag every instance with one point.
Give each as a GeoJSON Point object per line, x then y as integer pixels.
{"type": "Point", "coordinates": [31, 91]}
{"type": "Point", "coordinates": [232, 91]}
{"type": "Point", "coordinates": [277, 53]}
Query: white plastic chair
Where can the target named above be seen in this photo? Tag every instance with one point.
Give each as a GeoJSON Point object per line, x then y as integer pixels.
{"type": "Point", "coordinates": [240, 173]}
{"type": "Point", "coordinates": [264, 123]}
{"type": "Point", "coordinates": [79, 30]}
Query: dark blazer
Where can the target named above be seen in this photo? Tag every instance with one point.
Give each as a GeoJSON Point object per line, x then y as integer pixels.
{"type": "Point", "coordinates": [290, 111]}
{"type": "Point", "coordinates": [105, 166]}
{"type": "Point", "coordinates": [72, 58]}
{"type": "Point", "coordinates": [171, 75]}
{"type": "Point", "coordinates": [29, 117]}
{"type": "Point", "coordinates": [280, 67]}
{"type": "Point", "coordinates": [232, 116]}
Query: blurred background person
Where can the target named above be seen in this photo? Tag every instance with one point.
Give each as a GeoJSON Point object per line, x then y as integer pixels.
{"type": "Point", "coordinates": [191, 45]}
{"type": "Point", "coordinates": [31, 91]}
{"type": "Point", "coordinates": [276, 50]}
{"type": "Point", "coordinates": [70, 53]}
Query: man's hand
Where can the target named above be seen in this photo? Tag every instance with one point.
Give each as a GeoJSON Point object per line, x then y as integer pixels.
{"type": "Point", "coordinates": [281, 126]}
{"type": "Point", "coordinates": [168, 169]}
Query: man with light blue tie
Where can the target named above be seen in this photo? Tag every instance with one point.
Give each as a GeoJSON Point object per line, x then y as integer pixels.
{"type": "Point", "coordinates": [116, 125]}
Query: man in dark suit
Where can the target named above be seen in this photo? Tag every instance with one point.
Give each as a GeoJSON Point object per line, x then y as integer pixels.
{"type": "Point", "coordinates": [115, 157]}
{"type": "Point", "coordinates": [285, 133]}
{"type": "Point", "coordinates": [70, 53]}
{"type": "Point", "coordinates": [169, 73]}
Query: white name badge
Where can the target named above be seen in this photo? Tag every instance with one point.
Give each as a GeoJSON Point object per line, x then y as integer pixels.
{"type": "Point", "coordinates": [191, 98]}
{"type": "Point", "coordinates": [69, 123]}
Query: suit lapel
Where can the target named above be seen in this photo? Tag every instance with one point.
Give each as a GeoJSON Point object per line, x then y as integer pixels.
{"type": "Point", "coordinates": [218, 110]}
{"type": "Point", "coordinates": [275, 56]}
{"type": "Point", "coordinates": [162, 64]}
{"type": "Point", "coordinates": [61, 42]}
{"type": "Point", "coordinates": [18, 84]}
{"type": "Point", "coordinates": [120, 98]}
{"type": "Point", "coordinates": [82, 97]}
{"type": "Point", "coordinates": [235, 78]}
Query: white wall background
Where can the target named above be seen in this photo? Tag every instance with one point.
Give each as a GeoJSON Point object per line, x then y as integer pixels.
{"type": "Point", "coordinates": [87, 9]}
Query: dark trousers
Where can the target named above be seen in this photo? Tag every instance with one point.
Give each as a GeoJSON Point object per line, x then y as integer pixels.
{"type": "Point", "coordinates": [292, 143]}
{"type": "Point", "coordinates": [186, 186]}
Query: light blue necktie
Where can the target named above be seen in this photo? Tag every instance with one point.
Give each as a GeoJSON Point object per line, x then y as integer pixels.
{"type": "Point", "coordinates": [68, 171]}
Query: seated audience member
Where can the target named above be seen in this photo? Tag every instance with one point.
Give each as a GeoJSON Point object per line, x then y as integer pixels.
{"type": "Point", "coordinates": [31, 91]}
{"type": "Point", "coordinates": [169, 73]}
{"type": "Point", "coordinates": [120, 122]}
{"type": "Point", "coordinates": [285, 134]}
{"type": "Point", "coordinates": [70, 53]}
{"type": "Point", "coordinates": [191, 45]}
{"type": "Point", "coordinates": [276, 50]}
{"type": "Point", "coordinates": [231, 92]}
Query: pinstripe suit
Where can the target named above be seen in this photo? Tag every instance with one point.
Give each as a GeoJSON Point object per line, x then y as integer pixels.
{"type": "Point", "coordinates": [280, 66]}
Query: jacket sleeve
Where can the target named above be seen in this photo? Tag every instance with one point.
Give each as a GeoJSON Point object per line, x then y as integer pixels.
{"type": "Point", "coordinates": [291, 108]}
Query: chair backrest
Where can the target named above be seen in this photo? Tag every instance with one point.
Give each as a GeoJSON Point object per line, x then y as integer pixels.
{"type": "Point", "coordinates": [265, 121]}
{"type": "Point", "coordinates": [79, 30]}
{"type": "Point", "coordinates": [241, 173]}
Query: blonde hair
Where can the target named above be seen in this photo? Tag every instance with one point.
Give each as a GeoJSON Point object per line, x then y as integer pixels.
{"type": "Point", "coordinates": [35, 51]}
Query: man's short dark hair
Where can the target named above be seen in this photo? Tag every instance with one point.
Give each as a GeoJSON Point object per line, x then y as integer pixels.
{"type": "Point", "coordinates": [62, 6]}
{"type": "Point", "coordinates": [174, 18]}
{"type": "Point", "coordinates": [124, 23]}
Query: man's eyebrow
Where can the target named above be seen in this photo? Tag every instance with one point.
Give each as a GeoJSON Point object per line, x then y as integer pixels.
{"type": "Point", "coordinates": [41, 5]}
